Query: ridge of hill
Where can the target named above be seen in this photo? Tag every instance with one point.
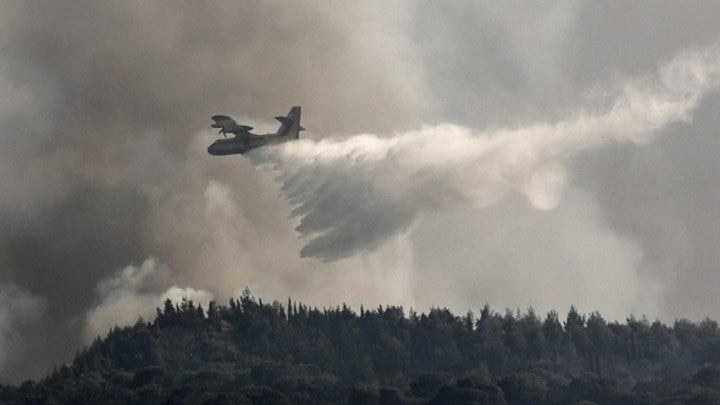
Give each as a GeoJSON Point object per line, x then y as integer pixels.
{"type": "Point", "coordinates": [250, 352]}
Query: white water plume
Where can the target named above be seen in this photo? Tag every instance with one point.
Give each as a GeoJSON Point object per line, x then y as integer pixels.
{"type": "Point", "coordinates": [352, 194]}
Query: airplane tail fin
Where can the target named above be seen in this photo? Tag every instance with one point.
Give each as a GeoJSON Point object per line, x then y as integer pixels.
{"type": "Point", "coordinates": [290, 124]}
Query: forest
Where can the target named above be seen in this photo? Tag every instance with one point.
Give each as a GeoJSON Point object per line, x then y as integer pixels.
{"type": "Point", "coordinates": [250, 352]}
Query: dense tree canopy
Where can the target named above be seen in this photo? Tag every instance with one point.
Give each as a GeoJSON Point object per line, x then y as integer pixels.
{"type": "Point", "coordinates": [251, 352]}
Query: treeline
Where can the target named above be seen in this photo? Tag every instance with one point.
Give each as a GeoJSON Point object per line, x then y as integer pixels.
{"type": "Point", "coordinates": [250, 352]}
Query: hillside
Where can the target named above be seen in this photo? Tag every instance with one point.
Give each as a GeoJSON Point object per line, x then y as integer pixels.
{"type": "Point", "coordinates": [251, 352]}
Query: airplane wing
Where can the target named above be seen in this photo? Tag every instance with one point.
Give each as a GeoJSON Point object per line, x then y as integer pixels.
{"type": "Point", "coordinates": [228, 125]}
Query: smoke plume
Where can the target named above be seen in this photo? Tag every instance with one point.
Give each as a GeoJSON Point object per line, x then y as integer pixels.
{"type": "Point", "coordinates": [134, 293]}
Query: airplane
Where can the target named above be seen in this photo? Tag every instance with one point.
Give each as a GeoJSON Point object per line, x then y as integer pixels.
{"type": "Point", "coordinates": [244, 140]}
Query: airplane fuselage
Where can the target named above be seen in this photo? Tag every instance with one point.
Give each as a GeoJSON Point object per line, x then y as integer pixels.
{"type": "Point", "coordinates": [243, 140]}
{"type": "Point", "coordinates": [243, 143]}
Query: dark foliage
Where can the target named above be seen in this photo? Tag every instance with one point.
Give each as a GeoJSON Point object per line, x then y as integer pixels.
{"type": "Point", "coordinates": [253, 353]}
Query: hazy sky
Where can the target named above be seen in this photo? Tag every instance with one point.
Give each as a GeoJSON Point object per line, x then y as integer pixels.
{"type": "Point", "coordinates": [457, 153]}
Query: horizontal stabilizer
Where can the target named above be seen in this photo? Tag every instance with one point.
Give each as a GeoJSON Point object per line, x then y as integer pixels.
{"type": "Point", "coordinates": [284, 120]}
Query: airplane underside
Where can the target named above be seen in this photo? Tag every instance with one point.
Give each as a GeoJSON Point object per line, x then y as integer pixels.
{"type": "Point", "coordinates": [222, 149]}
{"type": "Point", "coordinates": [235, 146]}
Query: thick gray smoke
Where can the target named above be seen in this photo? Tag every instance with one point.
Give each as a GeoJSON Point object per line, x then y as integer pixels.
{"type": "Point", "coordinates": [352, 194]}
{"type": "Point", "coordinates": [100, 165]}
{"type": "Point", "coordinates": [20, 315]}
{"type": "Point", "coordinates": [109, 201]}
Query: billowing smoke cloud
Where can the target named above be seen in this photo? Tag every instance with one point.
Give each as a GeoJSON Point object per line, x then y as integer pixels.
{"type": "Point", "coordinates": [100, 165]}
{"type": "Point", "coordinates": [352, 194]}
{"type": "Point", "coordinates": [134, 293]}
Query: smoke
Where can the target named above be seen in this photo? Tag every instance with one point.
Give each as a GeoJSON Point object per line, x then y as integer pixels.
{"type": "Point", "coordinates": [104, 126]}
{"type": "Point", "coordinates": [20, 314]}
{"type": "Point", "coordinates": [134, 293]}
{"type": "Point", "coordinates": [352, 194]}
{"type": "Point", "coordinates": [102, 158]}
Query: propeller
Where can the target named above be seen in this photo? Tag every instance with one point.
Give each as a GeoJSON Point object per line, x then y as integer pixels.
{"type": "Point", "coordinates": [222, 131]}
